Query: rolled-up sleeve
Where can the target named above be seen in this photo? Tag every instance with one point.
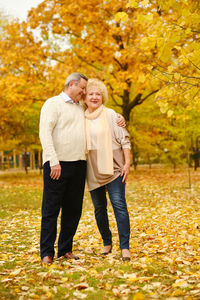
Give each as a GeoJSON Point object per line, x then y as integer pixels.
{"type": "Point", "coordinates": [121, 134]}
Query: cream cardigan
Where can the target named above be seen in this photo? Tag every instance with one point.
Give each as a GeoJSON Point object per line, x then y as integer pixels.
{"type": "Point", "coordinates": [120, 141]}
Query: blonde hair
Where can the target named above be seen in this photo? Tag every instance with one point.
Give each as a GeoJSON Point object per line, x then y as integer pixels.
{"type": "Point", "coordinates": [94, 82]}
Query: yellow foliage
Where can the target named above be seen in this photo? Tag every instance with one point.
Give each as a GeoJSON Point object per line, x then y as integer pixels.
{"type": "Point", "coordinates": [132, 3]}
{"type": "Point", "coordinates": [138, 296]}
{"type": "Point", "coordinates": [121, 16]}
{"type": "Point", "coordinates": [178, 293]}
{"type": "Point", "coordinates": [144, 2]}
{"type": "Point", "coordinates": [143, 46]}
{"type": "Point", "coordinates": [170, 113]}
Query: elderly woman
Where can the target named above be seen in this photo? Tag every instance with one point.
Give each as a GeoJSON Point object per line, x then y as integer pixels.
{"type": "Point", "coordinates": [107, 165]}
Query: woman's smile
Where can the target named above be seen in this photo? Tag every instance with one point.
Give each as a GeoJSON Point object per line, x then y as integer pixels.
{"type": "Point", "coordinates": [93, 99]}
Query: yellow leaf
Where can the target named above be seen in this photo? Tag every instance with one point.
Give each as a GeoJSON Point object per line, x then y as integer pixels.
{"type": "Point", "coordinates": [138, 296]}
{"type": "Point", "coordinates": [144, 2]}
{"type": "Point", "coordinates": [141, 78]}
{"type": "Point", "coordinates": [16, 272]}
{"type": "Point", "coordinates": [177, 293]}
{"type": "Point", "coordinates": [148, 260]}
{"type": "Point", "coordinates": [177, 76]}
{"type": "Point", "coordinates": [48, 295]}
{"type": "Point", "coordinates": [131, 277]}
{"type": "Point", "coordinates": [180, 283]}
{"type": "Point", "coordinates": [132, 3]}
{"type": "Point", "coordinates": [165, 54]}
{"type": "Point", "coordinates": [148, 43]}
{"type": "Point", "coordinates": [185, 13]}
{"type": "Point", "coordinates": [149, 17]}
{"type": "Point", "coordinates": [170, 113]}
{"type": "Point", "coordinates": [170, 69]}
{"type": "Point", "coordinates": [65, 279]}
{"type": "Point", "coordinates": [163, 107]}
{"type": "Point", "coordinates": [188, 31]}
{"type": "Point", "coordinates": [121, 16]}
{"type": "Point", "coordinates": [142, 279]}
{"type": "Point", "coordinates": [25, 288]}
{"type": "Point", "coordinates": [53, 266]}
{"type": "Point", "coordinates": [170, 92]}
{"type": "Point", "coordinates": [4, 236]}
{"type": "Point", "coordinates": [35, 296]}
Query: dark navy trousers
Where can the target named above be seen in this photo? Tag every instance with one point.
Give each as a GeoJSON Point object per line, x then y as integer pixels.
{"type": "Point", "coordinates": [65, 194]}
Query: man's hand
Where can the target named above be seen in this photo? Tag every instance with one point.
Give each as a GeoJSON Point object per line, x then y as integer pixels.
{"type": "Point", "coordinates": [121, 121]}
{"type": "Point", "coordinates": [55, 172]}
{"type": "Point", "coordinates": [125, 172]}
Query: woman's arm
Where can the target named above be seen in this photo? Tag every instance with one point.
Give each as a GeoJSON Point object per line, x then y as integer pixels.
{"type": "Point", "coordinates": [125, 170]}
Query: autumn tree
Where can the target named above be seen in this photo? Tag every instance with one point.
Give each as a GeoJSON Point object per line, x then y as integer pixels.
{"type": "Point", "coordinates": [174, 37]}
{"type": "Point", "coordinates": [23, 80]}
{"type": "Point", "coordinates": [90, 36]}
{"type": "Point", "coordinates": [139, 48]}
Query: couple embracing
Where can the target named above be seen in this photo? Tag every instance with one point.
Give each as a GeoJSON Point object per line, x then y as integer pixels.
{"type": "Point", "coordinates": [81, 138]}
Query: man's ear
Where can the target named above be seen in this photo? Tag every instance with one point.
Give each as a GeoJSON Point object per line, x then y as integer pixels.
{"type": "Point", "coordinates": [71, 83]}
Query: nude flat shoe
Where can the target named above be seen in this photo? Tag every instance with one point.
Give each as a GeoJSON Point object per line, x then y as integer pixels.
{"type": "Point", "coordinates": [104, 252]}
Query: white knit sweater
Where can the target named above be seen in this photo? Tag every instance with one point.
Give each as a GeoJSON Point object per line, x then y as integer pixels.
{"type": "Point", "coordinates": [62, 131]}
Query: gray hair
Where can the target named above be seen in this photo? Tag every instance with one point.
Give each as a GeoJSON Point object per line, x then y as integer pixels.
{"type": "Point", "coordinates": [76, 77]}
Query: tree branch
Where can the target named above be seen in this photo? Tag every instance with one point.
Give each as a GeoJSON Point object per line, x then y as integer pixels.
{"type": "Point", "coordinates": [112, 96]}
{"type": "Point", "coordinates": [142, 100]}
{"type": "Point", "coordinates": [88, 63]}
{"type": "Point", "coordinates": [117, 104]}
{"type": "Point", "coordinates": [193, 64]}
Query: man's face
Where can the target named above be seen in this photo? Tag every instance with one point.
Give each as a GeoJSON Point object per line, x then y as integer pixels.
{"type": "Point", "coordinates": [78, 89]}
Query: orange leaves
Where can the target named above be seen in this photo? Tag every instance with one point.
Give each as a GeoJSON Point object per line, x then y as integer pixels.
{"type": "Point", "coordinates": [164, 243]}
{"type": "Point", "coordinates": [139, 46]}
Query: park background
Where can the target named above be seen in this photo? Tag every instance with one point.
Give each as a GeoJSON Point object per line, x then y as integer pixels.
{"type": "Point", "coordinates": [148, 54]}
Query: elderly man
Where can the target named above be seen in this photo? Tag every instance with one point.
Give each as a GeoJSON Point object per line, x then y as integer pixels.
{"type": "Point", "coordinates": [62, 136]}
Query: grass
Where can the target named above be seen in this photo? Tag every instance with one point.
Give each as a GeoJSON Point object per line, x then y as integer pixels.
{"type": "Point", "coordinates": [165, 242]}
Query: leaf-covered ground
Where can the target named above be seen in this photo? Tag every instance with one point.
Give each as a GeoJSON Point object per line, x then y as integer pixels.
{"type": "Point", "coordinates": [165, 243]}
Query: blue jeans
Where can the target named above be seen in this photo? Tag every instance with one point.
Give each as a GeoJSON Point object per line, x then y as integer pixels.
{"type": "Point", "coordinates": [116, 191]}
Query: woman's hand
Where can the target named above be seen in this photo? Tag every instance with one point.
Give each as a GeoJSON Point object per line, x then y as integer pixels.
{"type": "Point", "coordinates": [125, 172]}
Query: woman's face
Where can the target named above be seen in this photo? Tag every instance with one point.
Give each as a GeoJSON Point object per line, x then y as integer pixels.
{"type": "Point", "coordinates": [93, 98]}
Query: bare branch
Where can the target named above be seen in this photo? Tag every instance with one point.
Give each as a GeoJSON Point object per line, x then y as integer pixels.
{"type": "Point", "coordinates": [88, 63]}
{"type": "Point", "coordinates": [142, 100]}
{"type": "Point", "coordinates": [118, 62]}
{"type": "Point", "coordinates": [117, 104]}
{"type": "Point", "coordinates": [193, 64]}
